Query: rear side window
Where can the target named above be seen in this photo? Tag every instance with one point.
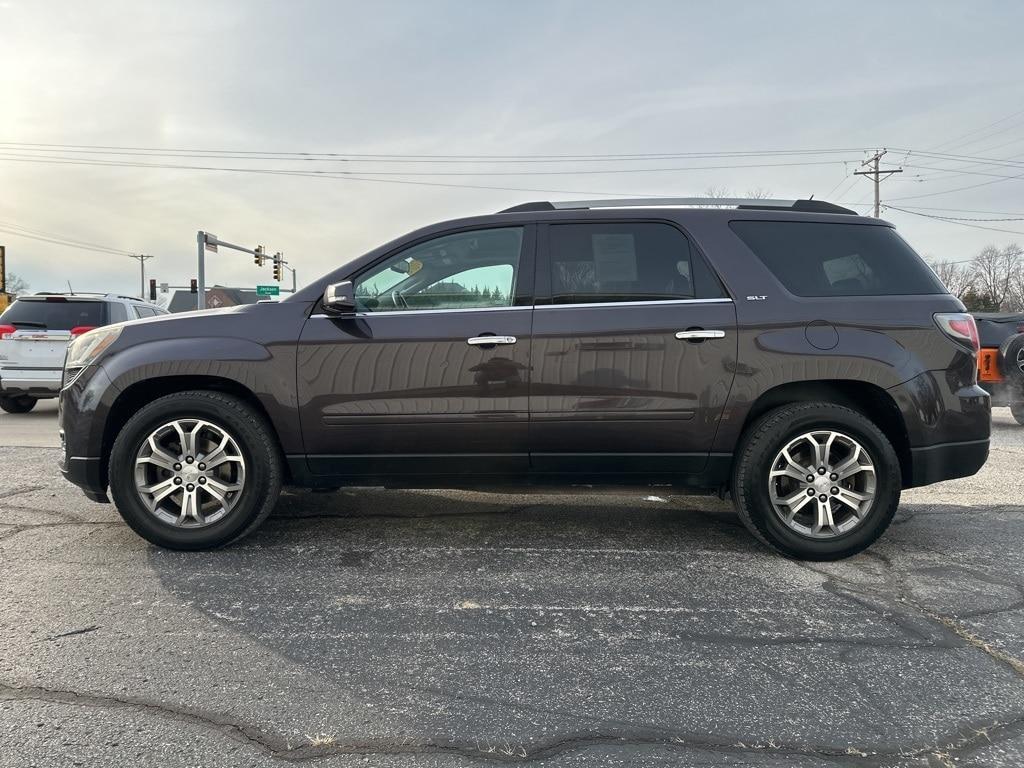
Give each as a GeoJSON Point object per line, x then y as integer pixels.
{"type": "Point", "coordinates": [117, 312]}
{"type": "Point", "coordinates": [54, 315]}
{"type": "Point", "coordinates": [818, 259]}
{"type": "Point", "coordinates": [616, 262]}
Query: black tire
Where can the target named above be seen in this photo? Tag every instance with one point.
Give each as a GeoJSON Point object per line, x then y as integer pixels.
{"type": "Point", "coordinates": [20, 404]}
{"type": "Point", "coordinates": [1018, 413]}
{"type": "Point", "coordinates": [758, 449]}
{"type": "Point", "coordinates": [255, 440]}
{"type": "Point", "coordinates": [1011, 360]}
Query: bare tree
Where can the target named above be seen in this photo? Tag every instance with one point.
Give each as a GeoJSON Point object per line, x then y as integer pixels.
{"type": "Point", "coordinates": [16, 285]}
{"type": "Point", "coordinates": [1016, 299]}
{"type": "Point", "coordinates": [958, 278]}
{"type": "Point", "coordinates": [994, 271]}
{"type": "Point", "coordinates": [759, 193]}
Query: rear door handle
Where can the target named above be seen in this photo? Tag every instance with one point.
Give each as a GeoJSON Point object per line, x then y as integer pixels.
{"type": "Point", "coordinates": [486, 341]}
{"type": "Point", "coordinates": [699, 334]}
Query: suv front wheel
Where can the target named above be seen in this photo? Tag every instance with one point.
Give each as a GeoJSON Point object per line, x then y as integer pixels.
{"type": "Point", "coordinates": [816, 481]}
{"type": "Point", "coordinates": [195, 470]}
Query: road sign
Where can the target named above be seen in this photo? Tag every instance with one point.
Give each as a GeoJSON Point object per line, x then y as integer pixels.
{"type": "Point", "coordinates": [210, 241]}
{"type": "Point", "coordinates": [268, 290]}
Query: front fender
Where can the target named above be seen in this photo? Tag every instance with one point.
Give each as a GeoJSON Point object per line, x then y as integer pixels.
{"type": "Point", "coordinates": [267, 372]}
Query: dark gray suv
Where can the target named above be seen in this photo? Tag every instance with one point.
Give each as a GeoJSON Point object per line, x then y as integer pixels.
{"type": "Point", "coordinates": [791, 353]}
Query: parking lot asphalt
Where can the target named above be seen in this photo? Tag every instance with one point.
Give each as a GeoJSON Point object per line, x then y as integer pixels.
{"type": "Point", "coordinates": [461, 629]}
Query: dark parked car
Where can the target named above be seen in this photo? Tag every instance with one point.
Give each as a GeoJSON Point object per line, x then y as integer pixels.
{"type": "Point", "coordinates": [792, 353]}
{"type": "Point", "coordinates": [1001, 360]}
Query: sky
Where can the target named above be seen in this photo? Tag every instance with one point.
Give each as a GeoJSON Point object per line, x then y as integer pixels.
{"type": "Point", "coordinates": [481, 78]}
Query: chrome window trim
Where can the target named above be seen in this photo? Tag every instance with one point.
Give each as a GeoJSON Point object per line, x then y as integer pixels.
{"type": "Point", "coordinates": [390, 313]}
{"type": "Point", "coordinates": [636, 303]}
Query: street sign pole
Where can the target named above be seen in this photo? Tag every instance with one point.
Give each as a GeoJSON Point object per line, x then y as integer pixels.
{"type": "Point", "coordinates": [201, 298]}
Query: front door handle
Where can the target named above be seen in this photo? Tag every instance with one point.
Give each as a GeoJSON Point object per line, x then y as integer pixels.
{"type": "Point", "coordinates": [699, 334]}
{"type": "Point", "coordinates": [487, 341]}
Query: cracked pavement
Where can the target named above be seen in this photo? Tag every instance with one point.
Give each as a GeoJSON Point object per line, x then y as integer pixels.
{"type": "Point", "coordinates": [461, 629]}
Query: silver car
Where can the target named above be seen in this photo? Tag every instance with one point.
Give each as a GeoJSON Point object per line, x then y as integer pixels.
{"type": "Point", "coordinates": [34, 335]}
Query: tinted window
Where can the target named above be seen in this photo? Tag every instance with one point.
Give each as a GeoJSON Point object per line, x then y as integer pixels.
{"type": "Point", "coordinates": [54, 315]}
{"type": "Point", "coordinates": [117, 312]}
{"type": "Point", "coordinates": [611, 262]}
{"type": "Point", "coordinates": [142, 311]}
{"type": "Point", "coordinates": [813, 259]}
{"type": "Point", "coordinates": [461, 271]}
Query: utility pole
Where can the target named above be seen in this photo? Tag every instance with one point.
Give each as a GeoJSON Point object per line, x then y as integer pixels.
{"type": "Point", "coordinates": [877, 172]}
{"type": "Point", "coordinates": [142, 264]}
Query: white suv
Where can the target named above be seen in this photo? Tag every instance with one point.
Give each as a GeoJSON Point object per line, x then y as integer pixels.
{"type": "Point", "coordinates": [34, 335]}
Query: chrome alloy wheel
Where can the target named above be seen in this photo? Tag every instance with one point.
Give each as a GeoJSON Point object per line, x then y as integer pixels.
{"type": "Point", "coordinates": [1020, 359]}
{"type": "Point", "coordinates": [822, 484]}
{"type": "Point", "coordinates": [189, 473]}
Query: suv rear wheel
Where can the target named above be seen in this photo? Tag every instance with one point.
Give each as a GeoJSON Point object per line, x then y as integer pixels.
{"type": "Point", "coordinates": [816, 481]}
{"type": "Point", "coordinates": [20, 404]}
{"type": "Point", "coordinates": [1018, 413]}
{"type": "Point", "coordinates": [195, 470]}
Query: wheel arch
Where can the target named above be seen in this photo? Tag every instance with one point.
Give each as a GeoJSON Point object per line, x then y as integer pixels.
{"type": "Point", "coordinates": [137, 395]}
{"type": "Point", "coordinates": [868, 399]}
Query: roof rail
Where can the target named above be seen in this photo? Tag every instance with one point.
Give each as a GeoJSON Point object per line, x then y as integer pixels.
{"type": "Point", "coordinates": [99, 294]}
{"type": "Point", "coordinates": [752, 203]}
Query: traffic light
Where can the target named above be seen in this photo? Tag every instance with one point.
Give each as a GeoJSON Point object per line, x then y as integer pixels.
{"type": "Point", "coordinates": [152, 289]}
{"type": "Point", "coordinates": [258, 256]}
{"type": "Point", "coordinates": [278, 269]}
{"type": "Point", "coordinates": [193, 286]}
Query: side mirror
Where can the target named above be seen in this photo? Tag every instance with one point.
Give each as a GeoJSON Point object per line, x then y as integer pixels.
{"type": "Point", "coordinates": [340, 298]}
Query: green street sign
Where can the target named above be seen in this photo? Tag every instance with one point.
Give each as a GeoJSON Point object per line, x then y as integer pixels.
{"type": "Point", "coordinates": [268, 290]}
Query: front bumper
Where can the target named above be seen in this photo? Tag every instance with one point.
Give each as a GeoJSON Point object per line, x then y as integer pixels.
{"type": "Point", "coordinates": [84, 405]}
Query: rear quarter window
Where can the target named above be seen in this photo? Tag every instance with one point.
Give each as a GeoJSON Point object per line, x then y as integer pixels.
{"type": "Point", "coordinates": [54, 315]}
{"type": "Point", "coordinates": [824, 259]}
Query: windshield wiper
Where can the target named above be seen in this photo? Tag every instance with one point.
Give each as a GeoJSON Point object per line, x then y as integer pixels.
{"type": "Point", "coordinates": [29, 323]}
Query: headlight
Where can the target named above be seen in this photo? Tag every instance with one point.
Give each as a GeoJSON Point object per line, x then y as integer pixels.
{"type": "Point", "coordinates": [85, 349]}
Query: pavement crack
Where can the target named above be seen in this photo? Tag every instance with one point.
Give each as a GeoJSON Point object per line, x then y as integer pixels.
{"type": "Point", "coordinates": [19, 491]}
{"type": "Point", "coordinates": [963, 739]}
{"type": "Point", "coordinates": [73, 632]}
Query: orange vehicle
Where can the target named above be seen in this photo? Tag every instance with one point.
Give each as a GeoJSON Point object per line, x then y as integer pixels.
{"type": "Point", "coordinates": [1001, 359]}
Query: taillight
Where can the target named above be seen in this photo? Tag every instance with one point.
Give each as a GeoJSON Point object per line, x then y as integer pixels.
{"type": "Point", "coordinates": [6, 330]}
{"type": "Point", "coordinates": [959, 326]}
{"type": "Point", "coordinates": [78, 330]}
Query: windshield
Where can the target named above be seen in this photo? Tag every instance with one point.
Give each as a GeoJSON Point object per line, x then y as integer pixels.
{"type": "Point", "coordinates": [54, 314]}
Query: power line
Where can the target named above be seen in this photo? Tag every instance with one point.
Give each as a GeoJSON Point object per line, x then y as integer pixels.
{"type": "Point", "coordinates": [956, 189]}
{"type": "Point", "coordinates": [954, 221]}
{"type": "Point", "coordinates": [43, 233]}
{"type": "Point", "coordinates": [978, 130]}
{"type": "Point", "coordinates": [342, 174]}
{"type": "Point", "coordinates": [962, 210]}
{"type": "Point", "coordinates": [389, 157]}
{"type": "Point", "coordinates": [98, 249]}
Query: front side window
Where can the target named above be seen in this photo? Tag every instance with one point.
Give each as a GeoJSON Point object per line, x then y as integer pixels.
{"type": "Point", "coordinates": [467, 270]}
{"type": "Point", "coordinates": [618, 262]}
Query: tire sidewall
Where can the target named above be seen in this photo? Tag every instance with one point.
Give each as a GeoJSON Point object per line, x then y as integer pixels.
{"type": "Point", "coordinates": [765, 447]}
{"type": "Point", "coordinates": [244, 427]}
{"type": "Point", "coordinates": [1008, 359]}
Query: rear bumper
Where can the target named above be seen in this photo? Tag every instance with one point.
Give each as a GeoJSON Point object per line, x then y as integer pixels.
{"type": "Point", "coordinates": [948, 461]}
{"type": "Point", "coordinates": [36, 382]}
